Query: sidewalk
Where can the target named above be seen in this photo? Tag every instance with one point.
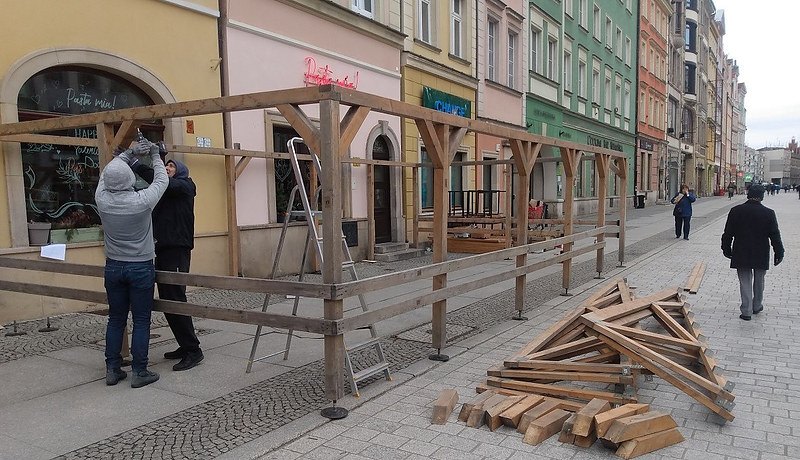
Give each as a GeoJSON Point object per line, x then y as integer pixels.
{"type": "Point", "coordinates": [54, 402]}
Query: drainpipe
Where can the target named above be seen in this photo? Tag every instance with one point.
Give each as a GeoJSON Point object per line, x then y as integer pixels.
{"type": "Point", "coordinates": [636, 103]}
{"type": "Point", "coordinates": [222, 33]}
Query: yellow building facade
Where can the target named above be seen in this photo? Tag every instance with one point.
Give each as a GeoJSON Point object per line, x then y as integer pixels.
{"type": "Point", "coordinates": [62, 58]}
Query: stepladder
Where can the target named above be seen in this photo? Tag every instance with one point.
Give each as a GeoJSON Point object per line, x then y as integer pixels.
{"type": "Point", "coordinates": [357, 352]}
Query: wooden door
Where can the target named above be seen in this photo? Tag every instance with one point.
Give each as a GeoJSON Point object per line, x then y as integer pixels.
{"type": "Point", "coordinates": [383, 192]}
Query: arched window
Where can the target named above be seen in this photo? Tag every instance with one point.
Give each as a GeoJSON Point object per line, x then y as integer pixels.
{"type": "Point", "coordinates": [60, 180]}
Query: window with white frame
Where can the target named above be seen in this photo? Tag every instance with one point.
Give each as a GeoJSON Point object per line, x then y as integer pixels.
{"type": "Point", "coordinates": [596, 24]}
{"type": "Point", "coordinates": [552, 67]}
{"type": "Point", "coordinates": [582, 78]}
{"type": "Point", "coordinates": [492, 29]}
{"type": "Point", "coordinates": [425, 20]}
{"type": "Point", "coordinates": [583, 12]}
{"type": "Point", "coordinates": [567, 70]}
{"type": "Point", "coordinates": [608, 94]}
{"type": "Point", "coordinates": [364, 7]}
{"type": "Point", "coordinates": [569, 8]}
{"type": "Point", "coordinates": [628, 46]}
{"type": "Point", "coordinates": [609, 33]}
{"type": "Point", "coordinates": [617, 96]}
{"type": "Point", "coordinates": [618, 40]}
{"type": "Point", "coordinates": [456, 29]}
{"type": "Point", "coordinates": [626, 105]}
{"type": "Point", "coordinates": [596, 86]}
{"type": "Point", "coordinates": [512, 59]}
{"type": "Point", "coordinates": [536, 47]}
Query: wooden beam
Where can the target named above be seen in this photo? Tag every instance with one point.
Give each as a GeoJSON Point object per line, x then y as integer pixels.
{"type": "Point", "coordinates": [350, 125]}
{"type": "Point", "coordinates": [48, 139]}
{"type": "Point", "coordinates": [234, 247]}
{"type": "Point", "coordinates": [544, 427]}
{"type": "Point", "coordinates": [456, 136]}
{"type": "Point", "coordinates": [601, 162]}
{"type": "Point", "coordinates": [125, 134]}
{"type": "Point", "coordinates": [511, 416]}
{"type": "Point", "coordinates": [105, 139]}
{"type": "Point", "coordinates": [622, 165]}
{"type": "Point", "coordinates": [571, 159]}
{"type": "Point", "coordinates": [304, 127]}
{"type": "Point", "coordinates": [635, 426]}
{"type": "Point", "coordinates": [649, 443]}
{"type": "Point", "coordinates": [444, 406]}
{"type": "Point", "coordinates": [584, 419]}
{"type": "Point", "coordinates": [604, 420]}
{"type": "Point", "coordinates": [241, 164]}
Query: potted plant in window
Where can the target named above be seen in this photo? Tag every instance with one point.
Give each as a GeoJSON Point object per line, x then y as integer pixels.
{"type": "Point", "coordinates": [39, 233]}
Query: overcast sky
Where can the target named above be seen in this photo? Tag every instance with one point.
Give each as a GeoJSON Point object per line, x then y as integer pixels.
{"type": "Point", "coordinates": [762, 37]}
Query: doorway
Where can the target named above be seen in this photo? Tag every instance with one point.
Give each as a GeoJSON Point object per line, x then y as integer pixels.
{"type": "Point", "coordinates": [382, 192]}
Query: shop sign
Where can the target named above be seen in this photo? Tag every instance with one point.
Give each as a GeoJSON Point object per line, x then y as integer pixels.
{"type": "Point", "coordinates": [318, 76]}
{"type": "Point", "coordinates": [646, 144]}
{"type": "Point", "coordinates": [604, 143]}
{"type": "Point", "coordinates": [444, 102]}
{"type": "Point", "coordinates": [748, 177]}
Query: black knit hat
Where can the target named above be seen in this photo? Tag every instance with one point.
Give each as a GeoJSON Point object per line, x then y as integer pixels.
{"type": "Point", "coordinates": [756, 192]}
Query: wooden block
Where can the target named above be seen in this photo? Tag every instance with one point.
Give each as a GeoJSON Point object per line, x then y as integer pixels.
{"type": "Point", "coordinates": [566, 436]}
{"type": "Point", "coordinates": [604, 420]}
{"type": "Point", "coordinates": [467, 407]}
{"type": "Point", "coordinates": [649, 443]}
{"type": "Point", "coordinates": [584, 422]}
{"type": "Point", "coordinates": [541, 409]}
{"type": "Point", "coordinates": [544, 427]}
{"type": "Point", "coordinates": [511, 416]}
{"type": "Point", "coordinates": [493, 413]}
{"type": "Point", "coordinates": [585, 441]}
{"type": "Point", "coordinates": [476, 415]}
{"type": "Point", "coordinates": [444, 406]}
{"type": "Point", "coordinates": [636, 426]}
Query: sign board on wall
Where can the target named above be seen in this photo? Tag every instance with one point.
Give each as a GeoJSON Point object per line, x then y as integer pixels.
{"type": "Point", "coordinates": [444, 102]}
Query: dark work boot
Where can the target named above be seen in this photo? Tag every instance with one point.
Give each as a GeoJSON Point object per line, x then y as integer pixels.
{"type": "Point", "coordinates": [177, 354]}
{"type": "Point", "coordinates": [113, 376]}
{"type": "Point", "coordinates": [190, 360]}
{"type": "Point", "coordinates": [142, 378]}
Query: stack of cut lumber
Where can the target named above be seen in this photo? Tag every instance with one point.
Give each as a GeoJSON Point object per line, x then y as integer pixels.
{"type": "Point", "coordinates": [599, 349]}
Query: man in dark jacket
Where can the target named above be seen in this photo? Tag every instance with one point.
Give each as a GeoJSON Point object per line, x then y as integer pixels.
{"type": "Point", "coordinates": [683, 211]}
{"type": "Point", "coordinates": [749, 230]}
{"type": "Point", "coordinates": [173, 229]}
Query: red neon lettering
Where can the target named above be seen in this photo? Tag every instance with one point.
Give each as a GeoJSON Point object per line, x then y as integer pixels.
{"type": "Point", "coordinates": [324, 76]}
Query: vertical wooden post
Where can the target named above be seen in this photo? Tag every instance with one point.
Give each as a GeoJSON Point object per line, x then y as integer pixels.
{"type": "Point", "coordinates": [371, 211]}
{"type": "Point", "coordinates": [622, 166]}
{"type": "Point", "coordinates": [509, 173]}
{"type": "Point", "coordinates": [233, 225]}
{"type": "Point", "coordinates": [332, 236]}
{"type": "Point", "coordinates": [525, 154]}
{"type": "Point", "coordinates": [571, 159]}
{"type": "Point", "coordinates": [105, 139]}
{"type": "Point", "coordinates": [602, 166]}
{"type": "Point", "coordinates": [415, 206]}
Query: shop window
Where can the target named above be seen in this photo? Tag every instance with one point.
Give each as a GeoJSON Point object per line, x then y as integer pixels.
{"type": "Point", "coordinates": [60, 180]}
{"type": "Point", "coordinates": [284, 174]}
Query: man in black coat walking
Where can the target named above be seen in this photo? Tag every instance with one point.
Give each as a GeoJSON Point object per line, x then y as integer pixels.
{"type": "Point", "coordinates": [173, 230]}
{"type": "Point", "coordinates": [749, 230]}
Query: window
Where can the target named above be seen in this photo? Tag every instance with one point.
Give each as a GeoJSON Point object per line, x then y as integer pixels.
{"type": "Point", "coordinates": [628, 51]}
{"type": "Point", "coordinates": [691, 37]}
{"type": "Point", "coordinates": [425, 181]}
{"type": "Point", "coordinates": [425, 19]}
{"type": "Point", "coordinates": [512, 56]}
{"type": "Point", "coordinates": [491, 49]}
{"type": "Point", "coordinates": [284, 177]}
{"type": "Point", "coordinates": [582, 79]}
{"type": "Point", "coordinates": [457, 182]}
{"type": "Point", "coordinates": [567, 71]}
{"type": "Point", "coordinates": [618, 40]}
{"type": "Point", "coordinates": [456, 32]}
{"type": "Point", "coordinates": [552, 68]}
{"type": "Point", "coordinates": [569, 8]}
{"type": "Point", "coordinates": [617, 98]}
{"type": "Point", "coordinates": [689, 78]}
{"type": "Point", "coordinates": [536, 46]}
{"type": "Point", "coordinates": [596, 86]}
{"type": "Point", "coordinates": [364, 7]}
{"type": "Point", "coordinates": [596, 23]}
{"type": "Point", "coordinates": [582, 13]}
{"type": "Point", "coordinates": [60, 180]}
{"type": "Point", "coordinates": [608, 94]}
{"type": "Point", "coordinates": [609, 32]}
{"type": "Point", "coordinates": [626, 107]}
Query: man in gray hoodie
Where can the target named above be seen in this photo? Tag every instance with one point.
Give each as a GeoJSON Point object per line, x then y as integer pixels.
{"type": "Point", "coordinates": [129, 273]}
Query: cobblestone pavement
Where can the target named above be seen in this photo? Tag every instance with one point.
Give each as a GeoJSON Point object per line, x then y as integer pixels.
{"type": "Point", "coordinates": [222, 424]}
{"type": "Point", "coordinates": [762, 358]}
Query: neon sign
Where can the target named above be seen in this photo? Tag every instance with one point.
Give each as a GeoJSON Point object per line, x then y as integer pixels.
{"type": "Point", "coordinates": [324, 76]}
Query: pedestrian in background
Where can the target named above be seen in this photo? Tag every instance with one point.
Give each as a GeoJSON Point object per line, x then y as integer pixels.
{"type": "Point", "coordinates": [683, 211]}
{"type": "Point", "coordinates": [750, 229]}
{"type": "Point", "coordinates": [173, 228]}
{"type": "Point", "coordinates": [731, 190]}
{"type": "Point", "coordinates": [129, 278]}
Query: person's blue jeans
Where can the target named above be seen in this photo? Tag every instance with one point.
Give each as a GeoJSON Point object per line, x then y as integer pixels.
{"type": "Point", "coordinates": [129, 287]}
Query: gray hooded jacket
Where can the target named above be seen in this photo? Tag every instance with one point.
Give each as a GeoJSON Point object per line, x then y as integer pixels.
{"type": "Point", "coordinates": [125, 212]}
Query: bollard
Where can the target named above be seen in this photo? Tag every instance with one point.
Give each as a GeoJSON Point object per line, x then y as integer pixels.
{"type": "Point", "coordinates": [48, 328]}
{"type": "Point", "coordinates": [14, 332]}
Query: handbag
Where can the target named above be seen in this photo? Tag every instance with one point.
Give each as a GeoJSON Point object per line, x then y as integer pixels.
{"type": "Point", "coordinates": [677, 212]}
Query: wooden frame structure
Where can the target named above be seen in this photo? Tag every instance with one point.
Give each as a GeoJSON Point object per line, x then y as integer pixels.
{"type": "Point", "coordinates": [441, 133]}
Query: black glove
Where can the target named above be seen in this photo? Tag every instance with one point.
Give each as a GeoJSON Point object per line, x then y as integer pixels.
{"type": "Point", "coordinates": [778, 259]}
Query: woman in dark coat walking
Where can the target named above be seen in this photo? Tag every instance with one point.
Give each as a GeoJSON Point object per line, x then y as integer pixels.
{"type": "Point", "coordinates": [683, 211]}
{"type": "Point", "coordinates": [750, 229]}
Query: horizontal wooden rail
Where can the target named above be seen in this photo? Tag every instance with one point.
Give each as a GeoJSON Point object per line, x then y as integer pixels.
{"type": "Point", "coordinates": [255, 317]}
{"type": "Point", "coordinates": [365, 319]}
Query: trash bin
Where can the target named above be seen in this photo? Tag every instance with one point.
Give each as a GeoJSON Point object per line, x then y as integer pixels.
{"type": "Point", "coordinates": [638, 201]}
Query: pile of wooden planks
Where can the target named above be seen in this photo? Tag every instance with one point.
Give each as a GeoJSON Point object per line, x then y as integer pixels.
{"type": "Point", "coordinates": [600, 349]}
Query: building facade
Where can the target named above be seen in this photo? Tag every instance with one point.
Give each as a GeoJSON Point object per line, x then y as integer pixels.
{"type": "Point", "coordinates": [58, 68]}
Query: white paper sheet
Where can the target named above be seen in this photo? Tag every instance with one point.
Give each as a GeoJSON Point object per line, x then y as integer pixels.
{"type": "Point", "coordinates": [54, 251]}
